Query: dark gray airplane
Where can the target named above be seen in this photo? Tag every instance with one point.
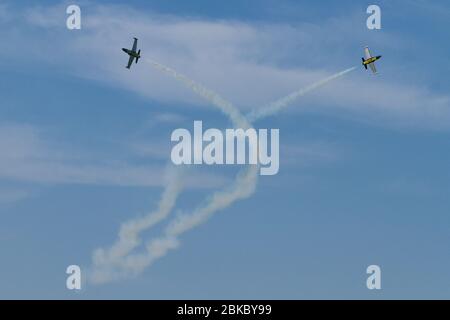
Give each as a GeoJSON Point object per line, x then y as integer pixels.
{"type": "Point", "coordinates": [132, 53]}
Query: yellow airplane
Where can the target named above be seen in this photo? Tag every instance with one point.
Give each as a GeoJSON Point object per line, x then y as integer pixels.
{"type": "Point", "coordinates": [368, 60]}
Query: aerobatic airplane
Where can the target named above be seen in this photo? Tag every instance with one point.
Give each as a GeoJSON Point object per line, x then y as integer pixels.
{"type": "Point", "coordinates": [368, 60]}
{"type": "Point", "coordinates": [132, 53]}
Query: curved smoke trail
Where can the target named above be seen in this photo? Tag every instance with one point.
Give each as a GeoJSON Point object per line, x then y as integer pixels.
{"type": "Point", "coordinates": [243, 187]}
{"type": "Point", "coordinates": [238, 120]}
{"type": "Point", "coordinates": [116, 262]}
{"type": "Point", "coordinates": [107, 261]}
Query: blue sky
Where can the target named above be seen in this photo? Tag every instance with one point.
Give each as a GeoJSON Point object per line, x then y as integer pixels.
{"type": "Point", "coordinates": [363, 177]}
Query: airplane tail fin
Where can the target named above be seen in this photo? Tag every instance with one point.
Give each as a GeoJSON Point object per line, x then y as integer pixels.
{"type": "Point", "coordinates": [139, 55]}
{"type": "Point", "coordinates": [365, 65]}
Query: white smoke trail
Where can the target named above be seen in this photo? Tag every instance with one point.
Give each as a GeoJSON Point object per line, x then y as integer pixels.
{"type": "Point", "coordinates": [226, 107]}
{"type": "Point", "coordinates": [105, 261]}
{"type": "Point", "coordinates": [282, 103]}
{"type": "Point", "coordinates": [243, 187]}
{"type": "Point", "coordinates": [117, 262]}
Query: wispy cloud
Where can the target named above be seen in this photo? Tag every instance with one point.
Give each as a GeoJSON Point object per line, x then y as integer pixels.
{"type": "Point", "coordinates": [118, 261]}
{"type": "Point", "coordinates": [27, 156]}
{"type": "Point", "coordinates": [253, 56]}
{"type": "Point", "coordinates": [250, 55]}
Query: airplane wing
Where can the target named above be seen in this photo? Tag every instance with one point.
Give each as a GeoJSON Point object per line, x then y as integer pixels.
{"type": "Point", "coordinates": [135, 44]}
{"type": "Point", "coordinates": [130, 62]}
{"type": "Point", "coordinates": [367, 53]}
{"type": "Point", "coordinates": [372, 66]}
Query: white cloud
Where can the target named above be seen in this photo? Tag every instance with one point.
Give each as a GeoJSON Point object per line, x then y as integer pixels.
{"type": "Point", "coordinates": [26, 156]}
{"type": "Point", "coordinates": [245, 62]}
{"type": "Point", "coordinates": [242, 61]}
{"type": "Point", "coordinates": [385, 103]}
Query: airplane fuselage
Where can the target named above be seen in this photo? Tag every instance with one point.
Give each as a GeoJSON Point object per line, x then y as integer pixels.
{"type": "Point", "coordinates": [131, 53]}
{"type": "Point", "coordinates": [134, 54]}
{"type": "Point", "coordinates": [370, 60]}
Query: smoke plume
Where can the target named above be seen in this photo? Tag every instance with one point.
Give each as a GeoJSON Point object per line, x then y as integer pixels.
{"type": "Point", "coordinates": [282, 103]}
{"type": "Point", "coordinates": [119, 260]}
